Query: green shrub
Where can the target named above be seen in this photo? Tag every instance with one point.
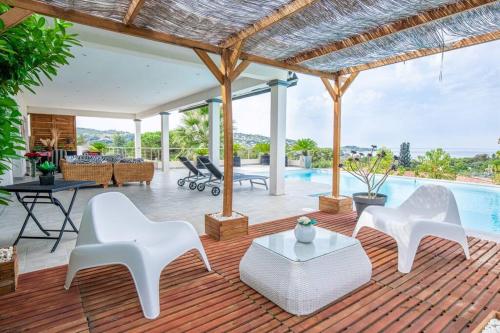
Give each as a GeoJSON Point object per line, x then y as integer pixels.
{"type": "Point", "coordinates": [47, 168]}
{"type": "Point", "coordinates": [28, 51]}
{"type": "Point", "coordinates": [262, 148]}
{"type": "Point", "coordinates": [436, 164]}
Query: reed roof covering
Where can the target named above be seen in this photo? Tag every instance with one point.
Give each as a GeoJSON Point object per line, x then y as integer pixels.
{"type": "Point", "coordinates": [322, 36]}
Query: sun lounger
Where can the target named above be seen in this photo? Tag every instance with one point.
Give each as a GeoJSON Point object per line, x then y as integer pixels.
{"type": "Point", "coordinates": [194, 174]}
{"type": "Point", "coordinates": [216, 178]}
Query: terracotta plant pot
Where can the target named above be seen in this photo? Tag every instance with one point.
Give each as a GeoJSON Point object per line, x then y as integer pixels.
{"type": "Point", "coordinates": [362, 201]}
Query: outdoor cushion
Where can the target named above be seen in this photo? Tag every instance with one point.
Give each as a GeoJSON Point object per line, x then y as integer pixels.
{"type": "Point", "coordinates": [86, 159]}
{"type": "Point", "coordinates": [112, 158]}
{"type": "Point", "coordinates": [131, 160]}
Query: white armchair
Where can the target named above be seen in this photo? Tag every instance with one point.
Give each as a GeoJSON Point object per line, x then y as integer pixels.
{"type": "Point", "coordinates": [114, 231]}
{"type": "Point", "coordinates": [430, 211]}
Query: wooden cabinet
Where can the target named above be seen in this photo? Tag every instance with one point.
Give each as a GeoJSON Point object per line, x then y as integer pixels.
{"type": "Point", "coordinates": [41, 125]}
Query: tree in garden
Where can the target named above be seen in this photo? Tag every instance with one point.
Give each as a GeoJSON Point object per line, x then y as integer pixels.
{"type": "Point", "coordinates": [322, 157]}
{"type": "Point", "coordinates": [304, 146]}
{"type": "Point", "coordinates": [193, 131]}
{"type": "Point", "coordinates": [262, 148]}
{"type": "Point", "coordinates": [377, 160]}
{"type": "Point", "coordinates": [192, 135]}
{"type": "Point", "coordinates": [436, 164]}
{"type": "Point", "coordinates": [496, 168]}
{"type": "Point", "coordinates": [387, 159]}
{"type": "Point", "coordinates": [119, 140]}
{"type": "Point", "coordinates": [151, 139]}
{"type": "Point", "coordinates": [237, 148]}
{"type": "Point", "coordinates": [365, 168]}
{"type": "Point", "coordinates": [80, 140]}
{"type": "Point", "coordinates": [28, 51]}
{"type": "Point", "coordinates": [404, 155]}
{"type": "Point", "coordinates": [98, 147]}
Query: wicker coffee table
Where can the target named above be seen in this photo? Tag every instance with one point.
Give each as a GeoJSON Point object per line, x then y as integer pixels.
{"type": "Point", "coordinates": [302, 278]}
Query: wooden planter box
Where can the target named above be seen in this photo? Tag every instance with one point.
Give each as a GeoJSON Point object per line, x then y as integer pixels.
{"type": "Point", "coordinates": [8, 275]}
{"type": "Point", "coordinates": [227, 229]}
{"type": "Point", "coordinates": [493, 314]}
{"type": "Point", "coordinates": [336, 205]}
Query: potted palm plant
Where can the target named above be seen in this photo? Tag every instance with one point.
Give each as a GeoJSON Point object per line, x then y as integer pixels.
{"type": "Point", "coordinates": [200, 152]}
{"type": "Point", "coordinates": [372, 169]}
{"type": "Point", "coordinates": [236, 158]}
{"type": "Point", "coordinates": [304, 147]}
{"type": "Point", "coordinates": [263, 149]}
{"type": "Point", "coordinates": [47, 168]}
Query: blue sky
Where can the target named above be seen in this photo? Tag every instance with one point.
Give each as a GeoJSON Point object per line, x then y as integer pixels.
{"type": "Point", "coordinates": [388, 105]}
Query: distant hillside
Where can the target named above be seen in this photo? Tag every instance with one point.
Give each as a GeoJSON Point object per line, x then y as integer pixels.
{"type": "Point", "coordinates": [92, 135]}
{"type": "Point", "coordinates": [251, 139]}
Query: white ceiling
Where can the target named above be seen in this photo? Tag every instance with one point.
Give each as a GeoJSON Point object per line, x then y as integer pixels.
{"type": "Point", "coordinates": [112, 72]}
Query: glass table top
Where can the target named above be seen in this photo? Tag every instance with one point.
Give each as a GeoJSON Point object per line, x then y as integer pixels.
{"type": "Point", "coordinates": [285, 244]}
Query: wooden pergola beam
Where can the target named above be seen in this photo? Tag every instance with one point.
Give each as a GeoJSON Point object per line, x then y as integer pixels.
{"type": "Point", "coordinates": [13, 17]}
{"type": "Point", "coordinates": [205, 58]}
{"type": "Point", "coordinates": [391, 28]}
{"type": "Point", "coordinates": [239, 69]}
{"type": "Point", "coordinates": [476, 40]}
{"type": "Point", "coordinates": [347, 83]}
{"type": "Point", "coordinates": [332, 89]}
{"type": "Point", "coordinates": [107, 24]}
{"type": "Point", "coordinates": [133, 10]}
{"type": "Point", "coordinates": [280, 64]}
{"type": "Point", "coordinates": [280, 14]}
{"type": "Point", "coordinates": [235, 54]}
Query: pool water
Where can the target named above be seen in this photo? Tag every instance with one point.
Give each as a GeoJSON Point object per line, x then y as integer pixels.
{"type": "Point", "coordinates": [479, 205]}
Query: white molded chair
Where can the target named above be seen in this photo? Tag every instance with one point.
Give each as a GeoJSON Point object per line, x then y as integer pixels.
{"type": "Point", "coordinates": [430, 211]}
{"type": "Point", "coordinates": [114, 231]}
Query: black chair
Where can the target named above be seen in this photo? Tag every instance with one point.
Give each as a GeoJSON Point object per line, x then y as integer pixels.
{"type": "Point", "coordinates": [216, 178]}
{"type": "Point", "coordinates": [194, 174]}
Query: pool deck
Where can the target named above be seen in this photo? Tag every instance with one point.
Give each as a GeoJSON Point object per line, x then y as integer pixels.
{"type": "Point", "coordinates": [162, 200]}
{"type": "Point", "coordinates": [443, 293]}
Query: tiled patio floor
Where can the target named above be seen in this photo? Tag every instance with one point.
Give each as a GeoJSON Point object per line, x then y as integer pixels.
{"type": "Point", "coordinates": [443, 293]}
{"type": "Point", "coordinates": [163, 200]}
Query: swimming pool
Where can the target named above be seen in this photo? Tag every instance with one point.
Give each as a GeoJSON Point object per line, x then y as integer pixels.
{"type": "Point", "coordinates": [479, 205]}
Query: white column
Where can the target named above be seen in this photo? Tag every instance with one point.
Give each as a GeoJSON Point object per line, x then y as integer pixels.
{"type": "Point", "coordinates": [214, 105]}
{"type": "Point", "coordinates": [165, 144]}
{"type": "Point", "coordinates": [137, 138]}
{"type": "Point", "coordinates": [278, 137]}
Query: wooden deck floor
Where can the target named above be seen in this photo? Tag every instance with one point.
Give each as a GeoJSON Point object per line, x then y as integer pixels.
{"type": "Point", "coordinates": [444, 292]}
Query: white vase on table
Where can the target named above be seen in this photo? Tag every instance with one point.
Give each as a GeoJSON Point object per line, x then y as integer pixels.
{"type": "Point", "coordinates": [305, 233]}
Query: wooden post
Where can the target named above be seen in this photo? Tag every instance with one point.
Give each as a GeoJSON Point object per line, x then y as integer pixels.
{"type": "Point", "coordinates": [227, 110]}
{"type": "Point", "coordinates": [229, 71]}
{"type": "Point", "coordinates": [337, 102]}
{"type": "Point", "coordinates": [228, 226]}
{"type": "Point", "coordinates": [336, 203]}
{"type": "Point", "coordinates": [14, 16]}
